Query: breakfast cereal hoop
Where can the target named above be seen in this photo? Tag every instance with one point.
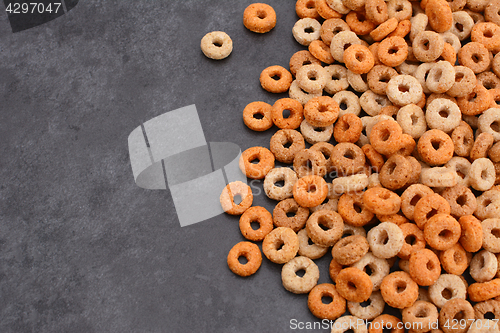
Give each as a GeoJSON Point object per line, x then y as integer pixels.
{"type": "Point", "coordinates": [350, 250]}
{"type": "Point", "coordinates": [454, 260]}
{"type": "Point", "coordinates": [451, 39]}
{"type": "Point", "coordinates": [321, 111]}
{"type": "Point", "coordinates": [488, 34]}
{"type": "Point", "coordinates": [280, 139]}
{"type": "Point", "coordinates": [310, 191]}
{"type": "Point", "coordinates": [295, 222]}
{"type": "Point", "coordinates": [482, 174]}
{"type": "Point", "coordinates": [300, 95]}
{"type": "Point", "coordinates": [421, 74]}
{"type": "Point", "coordinates": [348, 128]}
{"type": "Point", "coordinates": [475, 56]}
{"type": "Point", "coordinates": [280, 245]}
{"type": "Point", "coordinates": [296, 113]}
{"type": "Point", "coordinates": [487, 122]}
{"type": "Point", "coordinates": [312, 251]}
{"type": "Point", "coordinates": [313, 134]}
{"type": "Point", "coordinates": [434, 48]}
{"type": "Point", "coordinates": [340, 42]}
{"type": "Point", "coordinates": [330, 311]}
{"type": "Point", "coordinates": [484, 141]}
{"type": "Point", "coordinates": [348, 323]}
{"type": "Point", "coordinates": [248, 250]}
{"type": "Point", "coordinates": [415, 235]}
{"type": "Point", "coordinates": [287, 175]}
{"type": "Point", "coordinates": [280, 85]}
{"type": "Point", "coordinates": [338, 6]}
{"type": "Point", "coordinates": [494, 153]}
{"type": "Point", "coordinates": [466, 84]}
{"type": "Point", "coordinates": [331, 27]}
{"type": "Point", "coordinates": [442, 231]}
{"type": "Point", "coordinates": [384, 29]}
{"type": "Point", "coordinates": [411, 118]}
{"type": "Point", "coordinates": [399, 9]}
{"type": "Point", "coordinates": [462, 25]}
{"type": "Point", "coordinates": [373, 103]}
{"type": "Point", "coordinates": [421, 314]}
{"type": "Point", "coordinates": [359, 23]}
{"type": "Point", "coordinates": [463, 139]}
{"type": "Point", "coordinates": [358, 82]}
{"type": "Point", "coordinates": [428, 204]}
{"type": "Point", "coordinates": [259, 17]}
{"type": "Point", "coordinates": [353, 284]}
{"type": "Point", "coordinates": [443, 114]}
{"type": "Point", "coordinates": [488, 205]}
{"type": "Point", "coordinates": [347, 205]}
{"type": "Point", "coordinates": [309, 162]}
{"type": "Point", "coordinates": [258, 108]}
{"type": "Point", "coordinates": [391, 132]}
{"type": "Point", "coordinates": [392, 51]}
{"type": "Point", "coordinates": [306, 8]}
{"type": "Point", "coordinates": [378, 77]}
{"type": "Point", "coordinates": [476, 102]}
{"type": "Point", "coordinates": [439, 14]}
{"type": "Point", "coordinates": [380, 200]}
{"type": "Point", "coordinates": [419, 23]}
{"type": "Point", "coordinates": [411, 196]}
{"type": "Point", "coordinates": [380, 268]}
{"type": "Point", "coordinates": [336, 79]}
{"type": "Point", "coordinates": [483, 291]}
{"type": "Point", "coordinates": [376, 11]}
{"type": "Point", "coordinates": [386, 240]}
{"type": "Point", "coordinates": [447, 284]}
{"type": "Point", "coordinates": [262, 217]}
{"type": "Point", "coordinates": [385, 321]}
{"type": "Point", "coordinates": [491, 306]}
{"type": "Point", "coordinates": [461, 199]}
{"type": "Point", "coordinates": [490, 228]}
{"type": "Point", "coordinates": [396, 172]}
{"type": "Point", "coordinates": [471, 237]}
{"type": "Point", "coordinates": [259, 170]}
{"type": "Point", "coordinates": [374, 159]}
{"type": "Point", "coordinates": [236, 189]}
{"type": "Point", "coordinates": [321, 51]}
{"type": "Point", "coordinates": [325, 11]}
{"type": "Point", "coordinates": [333, 223]}
{"type": "Point", "coordinates": [326, 149]}
{"type": "Point", "coordinates": [424, 267]}
{"type": "Point", "coordinates": [297, 284]}
{"type": "Point", "coordinates": [441, 77]}
{"type": "Point", "coordinates": [311, 78]}
{"type": "Point", "coordinates": [301, 58]}
{"type": "Point", "coordinates": [358, 59]}
{"type": "Point", "coordinates": [484, 266]}
{"type": "Point", "coordinates": [350, 184]}
{"type": "Point", "coordinates": [403, 90]}
{"type": "Point", "coordinates": [374, 309]}
{"type": "Point", "coordinates": [216, 45]}
{"type": "Point", "coordinates": [347, 158]}
{"type": "Point", "coordinates": [399, 290]}
{"type": "Point", "coordinates": [306, 30]}
{"type": "Point", "coordinates": [431, 155]}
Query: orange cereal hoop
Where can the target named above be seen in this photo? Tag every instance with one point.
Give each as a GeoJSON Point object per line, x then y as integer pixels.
{"type": "Point", "coordinates": [330, 311]}
{"type": "Point", "coordinates": [259, 17]}
{"type": "Point", "coordinates": [230, 192]}
{"type": "Point", "coordinates": [354, 285]}
{"type": "Point", "coordinates": [326, 11]}
{"type": "Point", "coordinates": [296, 113]}
{"type": "Point", "coordinates": [399, 290]}
{"type": "Point", "coordinates": [425, 267]}
{"type": "Point", "coordinates": [435, 147]}
{"type": "Point", "coordinates": [310, 191]}
{"type": "Point", "coordinates": [321, 51]}
{"type": "Point", "coordinates": [257, 116]}
{"type": "Point", "coordinates": [276, 79]}
{"type": "Point", "coordinates": [428, 206]}
{"type": "Point", "coordinates": [392, 51]}
{"type": "Point", "coordinates": [384, 29]}
{"type": "Point", "coordinates": [381, 201]}
{"type": "Point", "coordinates": [442, 231]}
{"type": "Point", "coordinates": [359, 23]}
{"type": "Point", "coordinates": [252, 254]}
{"type": "Point", "coordinates": [259, 215]}
{"type": "Point", "coordinates": [321, 111]}
{"type": "Point", "coordinates": [358, 59]}
{"type": "Point", "coordinates": [440, 15]}
{"type": "Point", "coordinates": [259, 170]}
{"type": "Point", "coordinates": [306, 8]}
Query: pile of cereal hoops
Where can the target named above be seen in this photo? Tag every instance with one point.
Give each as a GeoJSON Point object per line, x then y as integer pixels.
{"type": "Point", "coordinates": [420, 169]}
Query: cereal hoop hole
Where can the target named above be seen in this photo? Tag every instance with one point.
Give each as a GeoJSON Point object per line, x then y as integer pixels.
{"type": "Point", "coordinates": [300, 273]}
{"type": "Point", "coordinates": [401, 287]}
{"type": "Point", "coordinates": [410, 240]}
{"type": "Point", "coordinates": [255, 225]}
{"type": "Point", "coordinates": [242, 259]}
{"type": "Point", "coordinates": [326, 299]}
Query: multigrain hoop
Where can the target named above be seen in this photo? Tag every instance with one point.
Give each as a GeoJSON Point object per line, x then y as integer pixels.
{"type": "Point", "coordinates": [348, 128]}
{"type": "Point", "coordinates": [399, 290]}
{"type": "Point", "coordinates": [321, 51]}
{"type": "Point", "coordinates": [386, 240]}
{"type": "Point", "coordinates": [280, 245]}
{"type": "Point", "coordinates": [425, 267]}
{"type": "Point", "coordinates": [301, 58]}
{"type": "Point", "coordinates": [236, 189]}
{"type": "Point", "coordinates": [381, 201]}
{"type": "Point", "coordinates": [289, 178]}
{"type": "Point", "coordinates": [386, 321]}
{"type": "Point", "coordinates": [353, 284]}
{"type": "Point", "coordinates": [310, 191]}
{"type": "Point", "coordinates": [251, 113]}
{"type": "Point", "coordinates": [256, 170]}
{"type": "Point", "coordinates": [358, 59]}
{"type": "Point", "coordinates": [296, 113]}
{"type": "Point", "coordinates": [379, 268]}
{"type": "Point", "coordinates": [259, 215]}
{"type": "Point", "coordinates": [435, 156]}
{"type": "Point", "coordinates": [286, 207]}
{"type": "Point", "coordinates": [284, 137]}
{"type": "Point", "coordinates": [259, 17]}
{"type": "Point", "coordinates": [353, 211]}
{"type": "Point", "coordinates": [454, 260]}
{"type": "Point", "coordinates": [350, 250]}
{"type": "Point", "coordinates": [321, 111]}
{"type": "Point", "coordinates": [309, 162]}
{"type": "Point", "coordinates": [216, 45]}
{"type": "Point", "coordinates": [413, 240]}
{"type": "Point", "coordinates": [306, 8]}
{"type": "Point", "coordinates": [368, 312]}
{"type": "Point", "coordinates": [275, 79]}
{"type": "Point", "coordinates": [330, 311]}
{"type": "Point", "coordinates": [312, 251]}
{"type": "Point", "coordinates": [422, 314]}
{"type": "Point", "coordinates": [299, 284]}
{"type": "Point", "coordinates": [248, 250]}
{"type": "Point", "coordinates": [330, 220]}
{"type": "Point", "coordinates": [442, 231]}
{"type": "Point", "coordinates": [471, 237]}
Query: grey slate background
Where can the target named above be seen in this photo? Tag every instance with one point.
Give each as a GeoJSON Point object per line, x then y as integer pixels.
{"type": "Point", "coordinates": [82, 248]}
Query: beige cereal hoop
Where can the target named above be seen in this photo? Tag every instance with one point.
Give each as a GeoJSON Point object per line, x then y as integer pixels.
{"type": "Point", "coordinates": [216, 45]}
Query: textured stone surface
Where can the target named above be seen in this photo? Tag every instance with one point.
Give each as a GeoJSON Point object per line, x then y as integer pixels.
{"type": "Point", "coordinates": [82, 248]}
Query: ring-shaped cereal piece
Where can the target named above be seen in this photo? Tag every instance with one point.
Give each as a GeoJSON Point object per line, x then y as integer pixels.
{"type": "Point", "coordinates": [216, 45]}
{"type": "Point", "coordinates": [453, 309]}
{"type": "Point", "coordinates": [259, 17]}
{"type": "Point", "coordinates": [379, 268]}
{"type": "Point", "coordinates": [312, 78]}
{"type": "Point", "coordinates": [358, 59]}
{"type": "Point", "coordinates": [464, 83]}
{"type": "Point", "coordinates": [403, 90]}
{"type": "Point", "coordinates": [411, 196]}
{"type": "Point", "coordinates": [340, 42]}
{"type": "Point", "coordinates": [487, 307]}
{"type": "Point", "coordinates": [259, 215]}
{"type": "Point", "coordinates": [306, 8]}
{"type": "Point", "coordinates": [491, 12]}
{"type": "Point", "coordinates": [462, 25]}
{"type": "Point", "coordinates": [325, 11]}
{"type": "Point", "coordinates": [484, 141]}
{"type": "Point", "coordinates": [435, 147]}
{"type": "Point", "coordinates": [306, 30]}
{"type": "Point", "coordinates": [374, 159]}
{"type": "Point", "coordinates": [475, 56]}
{"type": "Point", "coordinates": [376, 11]}
{"type": "Point", "coordinates": [428, 206]}
{"type": "Point", "coordinates": [395, 172]}
{"type": "Point", "coordinates": [233, 190]}
{"type": "Point", "coordinates": [287, 176]}
{"type": "Point", "coordinates": [262, 123]}
{"type": "Point", "coordinates": [399, 290]}
{"type": "Point", "coordinates": [403, 29]}
{"type": "Point", "coordinates": [476, 101]}
{"type": "Point", "coordinates": [354, 285]}
{"type": "Point", "coordinates": [461, 199]}
{"type": "Point", "coordinates": [489, 80]}
{"type": "Point", "coordinates": [386, 321]}
{"type": "Point", "coordinates": [248, 250]}
{"type": "Point", "coordinates": [425, 267]}
{"type": "Point", "coordinates": [423, 315]}
{"type": "Point", "coordinates": [280, 245]}
{"type": "Point", "coordinates": [301, 58]}
{"type": "Point", "coordinates": [359, 23]}
{"type": "Point", "coordinates": [439, 14]}
{"type": "Point", "coordinates": [413, 240]}
{"type": "Point", "coordinates": [348, 128]}
{"type": "Point", "coordinates": [309, 162]}
{"type": "Point", "coordinates": [299, 284]}
{"type": "Point", "coordinates": [484, 266]}
{"type": "Point", "coordinates": [353, 210]}
{"type": "Point", "coordinates": [369, 312]}
{"type": "Point", "coordinates": [446, 288]}
{"type": "Point", "coordinates": [330, 311]}
{"type": "Point", "coordinates": [283, 138]}
{"type": "Point", "coordinates": [385, 137]}
{"type": "Point", "coordinates": [336, 80]}
{"type": "Point", "coordinates": [296, 113]}
{"type": "Point", "coordinates": [378, 77]}
{"type": "Point", "coordinates": [321, 51]}
{"type": "Point", "coordinates": [488, 34]}
{"type": "Point", "coordinates": [290, 207]}
{"type": "Point", "coordinates": [381, 201]}
{"type": "Point", "coordinates": [275, 79]}
{"type": "Point", "coordinates": [386, 240]}
{"type": "Point", "coordinates": [331, 221]}
{"type": "Point", "coordinates": [441, 77]}
{"type": "Point", "coordinates": [463, 139]}
{"type": "Point", "coordinates": [442, 231]}
{"type": "Point", "coordinates": [331, 27]}
{"type": "Point", "coordinates": [310, 191]}
{"type": "Point", "coordinates": [399, 9]}
{"type": "Point", "coordinates": [443, 114]}
{"type": "Point", "coordinates": [313, 134]}
{"type": "Point", "coordinates": [311, 251]}
{"type": "Point", "coordinates": [350, 249]}
{"type": "Point", "coordinates": [358, 82]}
{"type": "Point", "coordinates": [491, 230]}
{"type": "Point", "coordinates": [326, 149]}
{"type": "Point", "coordinates": [489, 121]}
{"type": "Point", "coordinates": [471, 236]}
{"type": "Point", "coordinates": [427, 46]}
{"type": "Point", "coordinates": [256, 170]}
{"type": "Point", "coordinates": [482, 174]}
{"type": "Point", "coordinates": [392, 51]}
{"type": "Point", "coordinates": [384, 29]}
{"type": "Point", "coordinates": [411, 118]}
{"type": "Point", "coordinates": [321, 111]}
{"type": "Point", "coordinates": [454, 260]}
{"type": "Point", "coordinates": [438, 177]}
{"type": "Point", "coordinates": [347, 158]}
{"type": "Point", "coordinates": [483, 291]}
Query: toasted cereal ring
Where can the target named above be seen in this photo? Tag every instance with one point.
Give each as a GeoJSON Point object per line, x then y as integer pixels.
{"type": "Point", "coordinates": [299, 284]}
{"type": "Point", "coordinates": [428, 206]}
{"type": "Point", "coordinates": [248, 250]}
{"type": "Point", "coordinates": [448, 54]}
{"type": "Point", "coordinates": [300, 95]}
{"type": "Point", "coordinates": [490, 307]}
{"type": "Point", "coordinates": [334, 269]}
{"type": "Point", "coordinates": [310, 191]}
{"type": "Point", "coordinates": [488, 204]}
{"type": "Point", "coordinates": [309, 162]}
{"type": "Point", "coordinates": [411, 196]}
{"type": "Point", "coordinates": [475, 102]}
{"type": "Point", "coordinates": [296, 113]}
{"type": "Point", "coordinates": [300, 59]}
{"type": "Point", "coordinates": [453, 309]}
{"type": "Point", "coordinates": [421, 314]}
{"type": "Point", "coordinates": [311, 251]}
{"type": "Point", "coordinates": [396, 172]}
{"type": "Point", "coordinates": [259, 215]}
{"type": "Point", "coordinates": [463, 139]}
{"type": "Point", "coordinates": [374, 159]}
{"type": "Point", "coordinates": [280, 245]}
{"type": "Point", "coordinates": [236, 189]}
{"type": "Point", "coordinates": [265, 162]}
{"type": "Point", "coordinates": [348, 207]}
{"type": "Point", "coordinates": [421, 74]}
{"type": "Point", "coordinates": [336, 80]}
{"type": "Point", "coordinates": [482, 174]}
{"type": "Point", "coordinates": [443, 114]}
{"type": "Point", "coordinates": [289, 178]}
{"type": "Point", "coordinates": [340, 42]}
{"type": "Point", "coordinates": [333, 223]}
{"type": "Point", "coordinates": [475, 56]}
{"type": "Point", "coordinates": [353, 284]}
{"type": "Point", "coordinates": [495, 93]}
{"type": "Point", "coordinates": [386, 240]}
{"type": "Point", "coordinates": [378, 78]}
{"type": "Point", "coordinates": [384, 29]}
{"type": "Point", "coordinates": [454, 260]}
{"type": "Point", "coordinates": [464, 83]}
{"type": "Point", "coordinates": [379, 268]}
{"type": "Point", "coordinates": [460, 166]}
{"type": "Point", "coordinates": [330, 311]}
{"type": "Point", "coordinates": [476, 6]}
{"type": "Point", "coordinates": [346, 324]}
{"type": "Point", "coordinates": [403, 29]}
{"type": "Point", "coordinates": [438, 177]}
{"type": "Point", "coordinates": [398, 219]}
{"type": "Point", "coordinates": [483, 143]}
{"type": "Point", "coordinates": [331, 27]}
{"type": "Point", "coordinates": [348, 128]}
{"type": "Point", "coordinates": [358, 82]}
{"type": "Point", "coordinates": [348, 184]}
{"type": "Point", "coordinates": [491, 230]}
{"type": "Point", "coordinates": [338, 6]}
{"type": "Point", "coordinates": [462, 25]}
{"type": "Point", "coordinates": [255, 123]}
{"type": "Point", "coordinates": [385, 321]}
{"type": "Point", "coordinates": [484, 266]}
{"type": "Point", "coordinates": [259, 17]}
{"type": "Point", "coordinates": [373, 104]}
{"type": "Point", "coordinates": [427, 46]}
{"type": "Point", "coordinates": [446, 288]}
{"type": "Point", "coordinates": [451, 39]}
{"type": "Point", "coordinates": [494, 153]}
{"type": "Point", "coordinates": [311, 78]}
{"type": "Point", "coordinates": [385, 137]}
{"type": "Point", "coordinates": [471, 236]}
{"type": "Point", "coordinates": [424, 267]}
{"type": "Point", "coordinates": [488, 34]}
{"type": "Point", "coordinates": [441, 77]}
{"type": "Point", "coordinates": [392, 51]}
{"type": "Point", "coordinates": [489, 122]}
{"type": "Point", "coordinates": [407, 68]}
{"type": "Point", "coordinates": [461, 199]}
{"type": "Point", "coordinates": [325, 11]}
{"type": "Point", "coordinates": [442, 231]}
{"type": "Point", "coordinates": [403, 90]}
{"type": "Point", "coordinates": [354, 5]}
{"type": "Point", "coordinates": [306, 8]}
{"type": "Point", "coordinates": [419, 23]}
{"type": "Point", "coordinates": [359, 23]}
{"type": "Point", "coordinates": [321, 51]}
{"type": "Point", "coordinates": [413, 240]}
{"type": "Point", "coordinates": [347, 158]}
{"type": "Point", "coordinates": [216, 45]}
{"type": "Point", "coordinates": [358, 59]}
{"type": "Point", "coordinates": [399, 9]}
{"type": "Point", "coordinates": [290, 207]}
{"type": "Point", "coordinates": [483, 291]}
{"type": "Point", "coordinates": [491, 12]}
{"type": "Point", "coordinates": [411, 118]}
{"type": "Point", "coordinates": [350, 250]}
{"type": "Point", "coordinates": [321, 111]}
{"type": "Point", "coordinates": [306, 30]}
{"type": "Point", "coordinates": [314, 135]}
{"type": "Point", "coordinates": [439, 14]}
{"type": "Point", "coordinates": [285, 137]}
{"type": "Point", "coordinates": [275, 79]}
{"type": "Point", "coordinates": [374, 309]}
{"type": "Point", "coordinates": [399, 290]}
{"type": "Point", "coordinates": [435, 156]}
{"type": "Point", "coordinates": [376, 11]}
